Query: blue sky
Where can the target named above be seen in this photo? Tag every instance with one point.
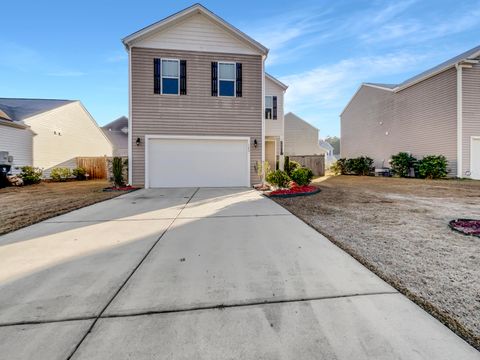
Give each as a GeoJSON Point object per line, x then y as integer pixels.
{"type": "Point", "coordinates": [324, 50]}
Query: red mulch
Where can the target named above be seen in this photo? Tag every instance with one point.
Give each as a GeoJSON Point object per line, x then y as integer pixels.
{"type": "Point", "coordinates": [295, 190]}
{"type": "Point", "coordinates": [466, 226]}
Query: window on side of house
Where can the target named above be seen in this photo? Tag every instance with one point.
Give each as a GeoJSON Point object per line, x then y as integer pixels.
{"type": "Point", "coordinates": [226, 79]}
{"type": "Point", "coordinates": [268, 107]}
{"type": "Point", "coordinates": [170, 76]}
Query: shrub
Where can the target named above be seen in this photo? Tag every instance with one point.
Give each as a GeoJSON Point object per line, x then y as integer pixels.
{"type": "Point", "coordinates": [433, 167]}
{"type": "Point", "coordinates": [31, 175]}
{"type": "Point", "coordinates": [80, 173]}
{"type": "Point", "coordinates": [117, 171]}
{"type": "Point", "coordinates": [262, 169]}
{"type": "Point", "coordinates": [302, 176]}
{"type": "Point", "coordinates": [60, 174]}
{"type": "Point", "coordinates": [339, 167]}
{"type": "Point", "coordinates": [278, 178]}
{"type": "Point", "coordinates": [361, 165]}
{"type": "Point", "coordinates": [402, 163]}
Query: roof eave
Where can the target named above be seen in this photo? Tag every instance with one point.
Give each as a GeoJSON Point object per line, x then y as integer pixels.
{"type": "Point", "coordinates": [196, 8]}
{"type": "Point", "coordinates": [276, 81]}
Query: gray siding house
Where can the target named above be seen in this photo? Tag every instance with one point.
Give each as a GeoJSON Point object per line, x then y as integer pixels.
{"type": "Point", "coordinates": [117, 133]}
{"type": "Point", "coordinates": [435, 112]}
{"type": "Point", "coordinates": [197, 103]}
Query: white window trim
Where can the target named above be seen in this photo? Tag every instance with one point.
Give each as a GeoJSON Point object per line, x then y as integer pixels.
{"type": "Point", "coordinates": [169, 77]}
{"type": "Point", "coordinates": [234, 80]}
{"type": "Point", "coordinates": [268, 107]}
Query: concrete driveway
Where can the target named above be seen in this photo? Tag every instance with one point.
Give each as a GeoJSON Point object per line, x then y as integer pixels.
{"type": "Point", "coordinates": [200, 274]}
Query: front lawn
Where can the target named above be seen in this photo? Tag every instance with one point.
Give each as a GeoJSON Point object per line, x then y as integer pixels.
{"type": "Point", "coordinates": [23, 206]}
{"type": "Point", "coordinates": [399, 228]}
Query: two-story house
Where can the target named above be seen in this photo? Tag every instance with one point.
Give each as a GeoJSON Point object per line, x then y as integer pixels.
{"type": "Point", "coordinates": [202, 110]}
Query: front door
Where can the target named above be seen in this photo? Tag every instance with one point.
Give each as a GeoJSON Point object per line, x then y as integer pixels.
{"type": "Point", "coordinates": [270, 155]}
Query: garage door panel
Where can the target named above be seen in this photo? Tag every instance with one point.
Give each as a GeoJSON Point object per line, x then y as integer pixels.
{"type": "Point", "coordinates": [197, 162]}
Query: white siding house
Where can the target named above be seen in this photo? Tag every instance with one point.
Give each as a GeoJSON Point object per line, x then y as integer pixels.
{"type": "Point", "coordinates": [63, 130]}
{"type": "Point", "coordinates": [301, 138]}
{"type": "Point", "coordinates": [17, 139]}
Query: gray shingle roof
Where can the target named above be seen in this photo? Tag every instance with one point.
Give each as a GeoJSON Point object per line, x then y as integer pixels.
{"type": "Point", "coordinates": [432, 71]}
{"type": "Point", "coordinates": [443, 66]}
{"type": "Point", "coordinates": [21, 109]}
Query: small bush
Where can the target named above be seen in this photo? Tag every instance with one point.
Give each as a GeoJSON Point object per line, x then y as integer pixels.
{"type": "Point", "coordinates": [31, 175]}
{"type": "Point", "coordinates": [339, 167]}
{"type": "Point", "coordinates": [60, 174]}
{"type": "Point", "coordinates": [362, 165]}
{"type": "Point", "coordinates": [278, 178]}
{"type": "Point", "coordinates": [80, 173]}
{"type": "Point", "coordinates": [302, 176]}
{"type": "Point", "coordinates": [117, 171]}
{"type": "Point", "coordinates": [433, 167]}
{"type": "Point", "coordinates": [290, 165]}
{"type": "Point", "coordinates": [402, 163]}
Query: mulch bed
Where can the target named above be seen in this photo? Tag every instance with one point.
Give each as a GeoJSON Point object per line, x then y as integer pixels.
{"type": "Point", "coordinates": [294, 191]}
{"type": "Point", "coordinates": [466, 226]}
{"type": "Point", "coordinates": [124, 188]}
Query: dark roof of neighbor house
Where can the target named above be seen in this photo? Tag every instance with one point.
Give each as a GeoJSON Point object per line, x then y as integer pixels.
{"type": "Point", "coordinates": [117, 132]}
{"type": "Point", "coordinates": [470, 54]}
{"type": "Point", "coordinates": [21, 109]}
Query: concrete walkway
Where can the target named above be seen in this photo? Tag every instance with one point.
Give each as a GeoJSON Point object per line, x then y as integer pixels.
{"type": "Point", "coordinates": [200, 274]}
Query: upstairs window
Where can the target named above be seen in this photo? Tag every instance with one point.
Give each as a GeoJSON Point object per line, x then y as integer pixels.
{"type": "Point", "coordinates": [226, 79]}
{"type": "Point", "coordinates": [170, 76]}
{"type": "Point", "coordinates": [270, 107]}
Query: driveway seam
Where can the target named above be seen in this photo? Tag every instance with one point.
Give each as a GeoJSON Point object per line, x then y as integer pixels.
{"type": "Point", "coordinates": [128, 278]}
{"type": "Point", "coordinates": [253, 303]}
{"type": "Point", "coordinates": [168, 218]}
{"type": "Point", "coordinates": [200, 308]}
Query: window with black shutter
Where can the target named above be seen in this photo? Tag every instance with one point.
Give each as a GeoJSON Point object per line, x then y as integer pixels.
{"type": "Point", "coordinates": [214, 78]}
{"type": "Point", "coordinates": [274, 101]}
{"type": "Point", "coordinates": [156, 76]}
{"type": "Point", "coordinates": [183, 77]}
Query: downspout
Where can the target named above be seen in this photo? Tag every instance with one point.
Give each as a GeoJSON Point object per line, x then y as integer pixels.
{"type": "Point", "coordinates": [262, 112]}
{"type": "Point", "coordinates": [130, 160]}
{"type": "Point", "coordinates": [459, 122]}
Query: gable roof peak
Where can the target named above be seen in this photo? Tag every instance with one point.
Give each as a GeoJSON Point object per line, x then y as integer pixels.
{"type": "Point", "coordinates": [196, 8]}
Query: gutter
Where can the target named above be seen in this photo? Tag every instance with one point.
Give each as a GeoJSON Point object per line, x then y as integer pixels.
{"type": "Point", "coordinates": [464, 64]}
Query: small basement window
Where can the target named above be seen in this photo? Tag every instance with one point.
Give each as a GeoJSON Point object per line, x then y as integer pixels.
{"type": "Point", "coordinates": [226, 79]}
{"type": "Point", "coordinates": [170, 76]}
{"type": "Point", "coordinates": [268, 107]}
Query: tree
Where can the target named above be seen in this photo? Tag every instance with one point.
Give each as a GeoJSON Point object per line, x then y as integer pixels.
{"type": "Point", "coordinates": [335, 142]}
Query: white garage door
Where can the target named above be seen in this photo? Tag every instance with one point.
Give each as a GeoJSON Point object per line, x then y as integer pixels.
{"type": "Point", "coordinates": [195, 162]}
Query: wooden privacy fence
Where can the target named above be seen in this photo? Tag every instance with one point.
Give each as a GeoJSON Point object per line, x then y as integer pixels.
{"type": "Point", "coordinates": [96, 166]}
{"type": "Point", "coordinates": [314, 162]}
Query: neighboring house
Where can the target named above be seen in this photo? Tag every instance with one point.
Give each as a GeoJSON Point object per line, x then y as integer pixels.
{"type": "Point", "coordinates": [301, 137]}
{"type": "Point", "coordinates": [197, 103]}
{"type": "Point", "coordinates": [435, 112]}
{"type": "Point", "coordinates": [49, 133]}
{"type": "Point", "coordinates": [117, 133]}
{"type": "Point", "coordinates": [330, 158]}
{"type": "Point", "coordinates": [17, 139]}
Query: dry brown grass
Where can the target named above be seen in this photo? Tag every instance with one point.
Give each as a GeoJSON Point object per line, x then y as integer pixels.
{"type": "Point", "coordinates": [399, 229]}
{"type": "Point", "coordinates": [23, 206]}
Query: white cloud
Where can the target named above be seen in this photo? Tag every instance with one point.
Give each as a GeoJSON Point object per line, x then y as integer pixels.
{"type": "Point", "coordinates": [331, 86]}
{"type": "Point", "coordinates": [116, 57]}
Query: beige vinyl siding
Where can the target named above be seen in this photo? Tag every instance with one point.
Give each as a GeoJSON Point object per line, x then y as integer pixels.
{"type": "Point", "coordinates": [471, 110]}
{"type": "Point", "coordinates": [79, 136]}
{"type": "Point", "coordinates": [301, 138]}
{"type": "Point", "coordinates": [274, 127]}
{"type": "Point", "coordinates": [420, 119]}
{"type": "Point", "coordinates": [197, 113]}
{"type": "Point", "coordinates": [196, 33]}
{"type": "Point", "coordinates": [19, 144]}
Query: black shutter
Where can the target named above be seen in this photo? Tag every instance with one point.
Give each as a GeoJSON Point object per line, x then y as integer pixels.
{"type": "Point", "coordinates": [156, 75]}
{"type": "Point", "coordinates": [239, 80]}
{"type": "Point", "coordinates": [274, 100]}
{"type": "Point", "coordinates": [183, 77]}
{"type": "Point", "coordinates": [214, 79]}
